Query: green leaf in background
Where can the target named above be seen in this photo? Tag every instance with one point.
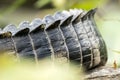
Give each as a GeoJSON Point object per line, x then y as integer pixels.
{"type": "Point", "coordinates": [88, 4]}
{"type": "Point", "coordinates": [116, 51]}
{"type": "Point", "coordinates": [60, 4]}
{"type": "Point", "coordinates": [41, 3]}
{"type": "Point", "coordinates": [66, 4]}
{"type": "Point", "coordinates": [12, 7]}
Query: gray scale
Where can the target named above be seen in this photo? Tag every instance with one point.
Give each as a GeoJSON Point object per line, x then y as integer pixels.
{"type": "Point", "coordinates": [83, 39]}
{"type": "Point", "coordinates": [40, 40]}
{"type": "Point", "coordinates": [98, 37]}
{"type": "Point", "coordinates": [55, 37]}
{"type": "Point", "coordinates": [69, 35]}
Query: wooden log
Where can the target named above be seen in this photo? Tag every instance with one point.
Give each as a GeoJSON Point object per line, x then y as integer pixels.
{"type": "Point", "coordinates": [104, 73]}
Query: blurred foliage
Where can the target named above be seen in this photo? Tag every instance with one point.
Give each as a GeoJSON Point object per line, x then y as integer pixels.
{"type": "Point", "coordinates": [45, 70]}
{"type": "Point", "coordinates": [41, 3]}
{"type": "Point", "coordinates": [15, 5]}
{"type": "Point", "coordinates": [66, 4]}
{"type": "Point", "coordinates": [58, 4]}
{"type": "Point", "coordinates": [12, 7]}
{"type": "Point", "coordinates": [117, 51]}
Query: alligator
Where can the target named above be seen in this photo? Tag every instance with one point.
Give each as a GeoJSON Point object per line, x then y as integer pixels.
{"type": "Point", "coordinates": [70, 35]}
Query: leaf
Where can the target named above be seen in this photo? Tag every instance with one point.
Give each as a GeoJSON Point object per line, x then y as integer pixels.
{"type": "Point", "coordinates": [15, 5]}
{"type": "Point", "coordinates": [41, 3]}
{"type": "Point", "coordinates": [88, 4]}
{"type": "Point", "coordinates": [117, 51]}
{"type": "Point", "coordinates": [60, 4]}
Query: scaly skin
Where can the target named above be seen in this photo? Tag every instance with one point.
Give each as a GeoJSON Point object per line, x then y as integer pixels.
{"type": "Point", "coordinates": [72, 35]}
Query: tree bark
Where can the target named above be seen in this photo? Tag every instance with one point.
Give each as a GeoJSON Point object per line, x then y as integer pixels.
{"type": "Point", "coordinates": [104, 73]}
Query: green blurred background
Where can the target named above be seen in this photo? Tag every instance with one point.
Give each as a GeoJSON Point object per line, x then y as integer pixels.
{"type": "Point", "coordinates": [107, 16]}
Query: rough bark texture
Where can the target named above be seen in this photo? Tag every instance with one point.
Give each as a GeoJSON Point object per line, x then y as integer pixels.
{"type": "Point", "coordinates": [104, 73]}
